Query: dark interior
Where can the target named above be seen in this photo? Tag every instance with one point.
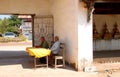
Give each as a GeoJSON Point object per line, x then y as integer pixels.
{"type": "Point", "coordinates": [107, 7]}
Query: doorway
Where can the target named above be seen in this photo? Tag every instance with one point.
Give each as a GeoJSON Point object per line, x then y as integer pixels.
{"type": "Point", "coordinates": [16, 32]}
{"type": "Point", "coordinates": [106, 32]}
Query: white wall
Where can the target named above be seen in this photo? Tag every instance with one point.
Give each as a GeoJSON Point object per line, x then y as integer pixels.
{"type": "Point", "coordinates": [65, 25]}
{"type": "Point", "coordinates": [70, 24]}
{"type": "Point", "coordinates": [85, 48]}
{"type": "Point", "coordinates": [39, 7]}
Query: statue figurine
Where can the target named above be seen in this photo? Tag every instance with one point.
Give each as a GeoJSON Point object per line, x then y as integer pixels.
{"type": "Point", "coordinates": [116, 33]}
{"type": "Point", "coordinates": [106, 33]}
{"type": "Point", "coordinates": [96, 35]}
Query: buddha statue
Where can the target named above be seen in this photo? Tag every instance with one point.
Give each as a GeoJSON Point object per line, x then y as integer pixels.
{"type": "Point", "coordinates": [96, 35]}
{"type": "Point", "coordinates": [106, 33]}
{"type": "Point", "coordinates": [116, 33]}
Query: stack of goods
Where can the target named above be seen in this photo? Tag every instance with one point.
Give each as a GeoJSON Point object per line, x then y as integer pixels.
{"type": "Point", "coordinates": [106, 34]}
{"type": "Point", "coordinates": [96, 35]}
{"type": "Point", "coordinates": [116, 33]}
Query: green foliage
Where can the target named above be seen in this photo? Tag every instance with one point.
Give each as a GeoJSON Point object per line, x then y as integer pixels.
{"type": "Point", "coordinates": [11, 24]}
{"type": "Point", "coordinates": [3, 25]}
{"type": "Point", "coordinates": [14, 21]}
{"type": "Point", "coordinates": [22, 37]}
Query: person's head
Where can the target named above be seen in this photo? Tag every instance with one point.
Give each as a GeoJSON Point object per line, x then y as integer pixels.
{"type": "Point", "coordinates": [42, 39]}
{"type": "Point", "coordinates": [56, 38]}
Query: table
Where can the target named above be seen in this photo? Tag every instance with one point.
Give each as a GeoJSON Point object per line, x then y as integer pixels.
{"type": "Point", "coordinates": [38, 53]}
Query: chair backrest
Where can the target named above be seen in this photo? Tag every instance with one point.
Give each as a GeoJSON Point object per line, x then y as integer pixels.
{"type": "Point", "coordinates": [62, 49]}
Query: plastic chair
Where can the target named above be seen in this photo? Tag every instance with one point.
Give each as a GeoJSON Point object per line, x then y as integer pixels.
{"type": "Point", "coordinates": [60, 56]}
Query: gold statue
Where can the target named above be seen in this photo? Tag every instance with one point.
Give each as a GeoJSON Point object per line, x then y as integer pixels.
{"type": "Point", "coordinates": [106, 34]}
{"type": "Point", "coordinates": [96, 35]}
{"type": "Point", "coordinates": [116, 33]}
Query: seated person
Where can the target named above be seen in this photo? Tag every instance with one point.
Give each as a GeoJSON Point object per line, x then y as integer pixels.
{"type": "Point", "coordinates": [55, 48]}
{"type": "Point", "coordinates": [44, 44]}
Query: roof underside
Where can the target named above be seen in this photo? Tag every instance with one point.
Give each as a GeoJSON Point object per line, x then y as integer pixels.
{"type": "Point", "coordinates": [107, 7]}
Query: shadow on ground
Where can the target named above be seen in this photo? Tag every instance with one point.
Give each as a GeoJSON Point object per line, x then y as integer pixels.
{"type": "Point", "coordinates": [22, 58]}
{"type": "Point", "coordinates": [16, 57]}
{"type": "Point", "coordinates": [106, 56]}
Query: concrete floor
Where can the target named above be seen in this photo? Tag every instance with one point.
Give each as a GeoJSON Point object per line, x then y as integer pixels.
{"type": "Point", "coordinates": [15, 62]}
{"type": "Point", "coordinates": [107, 56]}
{"type": "Point", "coordinates": [20, 64]}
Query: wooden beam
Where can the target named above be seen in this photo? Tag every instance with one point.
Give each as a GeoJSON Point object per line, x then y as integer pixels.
{"type": "Point", "coordinates": [107, 0]}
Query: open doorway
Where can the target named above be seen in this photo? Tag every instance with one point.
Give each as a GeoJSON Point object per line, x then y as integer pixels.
{"type": "Point", "coordinates": [31, 29]}
{"type": "Point", "coordinates": [106, 32]}
{"type": "Point", "coordinates": [15, 32]}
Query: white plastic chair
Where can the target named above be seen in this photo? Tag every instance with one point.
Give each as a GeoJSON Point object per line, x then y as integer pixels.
{"type": "Point", "coordinates": [60, 56]}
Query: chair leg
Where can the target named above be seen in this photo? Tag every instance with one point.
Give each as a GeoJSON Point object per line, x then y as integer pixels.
{"type": "Point", "coordinates": [55, 63]}
{"type": "Point", "coordinates": [63, 63]}
{"type": "Point", "coordinates": [34, 63]}
{"type": "Point", "coordinates": [47, 61]}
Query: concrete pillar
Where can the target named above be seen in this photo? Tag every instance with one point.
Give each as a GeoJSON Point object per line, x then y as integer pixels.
{"type": "Point", "coordinates": [85, 42]}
